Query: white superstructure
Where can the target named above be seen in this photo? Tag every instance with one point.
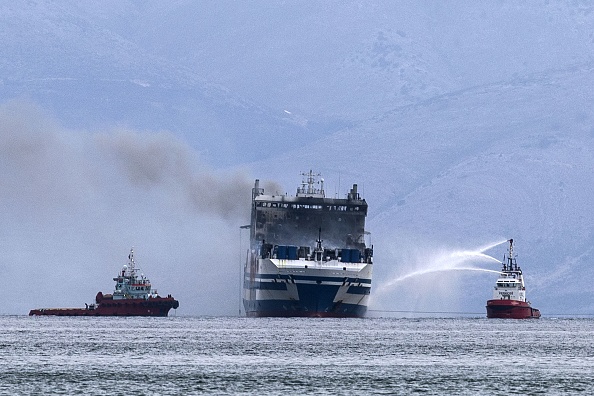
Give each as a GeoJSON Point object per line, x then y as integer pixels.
{"type": "Point", "coordinates": [510, 285]}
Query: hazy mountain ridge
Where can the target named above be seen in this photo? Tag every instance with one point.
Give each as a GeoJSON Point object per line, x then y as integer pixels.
{"type": "Point", "coordinates": [435, 110]}
{"type": "Point", "coordinates": [504, 160]}
{"type": "Point", "coordinates": [62, 56]}
{"type": "Point", "coordinates": [415, 143]}
{"type": "Point", "coordinates": [385, 53]}
{"type": "Point", "coordinates": [312, 61]}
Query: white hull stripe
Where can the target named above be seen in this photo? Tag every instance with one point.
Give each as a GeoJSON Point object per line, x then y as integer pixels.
{"type": "Point", "coordinates": [312, 279]}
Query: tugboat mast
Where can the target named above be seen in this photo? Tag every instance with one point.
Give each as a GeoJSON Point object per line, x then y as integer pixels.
{"type": "Point", "coordinates": [512, 264]}
{"type": "Point", "coordinates": [132, 263]}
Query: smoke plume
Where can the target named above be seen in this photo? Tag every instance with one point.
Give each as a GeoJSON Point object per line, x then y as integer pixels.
{"type": "Point", "coordinates": [74, 202]}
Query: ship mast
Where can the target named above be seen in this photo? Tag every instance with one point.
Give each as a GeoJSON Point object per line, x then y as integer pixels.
{"type": "Point", "coordinates": [319, 251]}
{"type": "Point", "coordinates": [309, 180]}
{"type": "Point", "coordinates": [510, 264]}
{"type": "Point", "coordinates": [131, 262]}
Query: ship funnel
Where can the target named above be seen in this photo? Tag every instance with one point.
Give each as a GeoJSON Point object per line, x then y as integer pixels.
{"type": "Point", "coordinates": [257, 190]}
{"type": "Point", "coordinates": [353, 194]}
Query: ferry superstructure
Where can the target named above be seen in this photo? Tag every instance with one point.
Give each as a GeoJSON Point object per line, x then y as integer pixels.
{"type": "Point", "coordinates": [308, 255]}
{"type": "Point", "coordinates": [509, 296]}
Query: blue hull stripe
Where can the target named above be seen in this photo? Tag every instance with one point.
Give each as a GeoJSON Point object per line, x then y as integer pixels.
{"type": "Point", "coordinates": [268, 285]}
{"type": "Point", "coordinates": [314, 300]}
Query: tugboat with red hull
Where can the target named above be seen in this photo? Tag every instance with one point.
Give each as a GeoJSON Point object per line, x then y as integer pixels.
{"type": "Point", "coordinates": [509, 297]}
{"type": "Point", "coordinates": [133, 296]}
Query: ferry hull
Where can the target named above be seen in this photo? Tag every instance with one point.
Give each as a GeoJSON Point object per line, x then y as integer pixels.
{"type": "Point", "coordinates": [319, 304]}
{"type": "Point", "coordinates": [511, 309]}
{"type": "Point", "coordinates": [158, 306]}
{"type": "Point", "coordinates": [307, 292]}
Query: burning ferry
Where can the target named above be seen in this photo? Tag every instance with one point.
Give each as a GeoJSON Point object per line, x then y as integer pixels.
{"type": "Point", "coordinates": [509, 297]}
{"type": "Point", "coordinates": [133, 296]}
{"type": "Point", "coordinates": [308, 256]}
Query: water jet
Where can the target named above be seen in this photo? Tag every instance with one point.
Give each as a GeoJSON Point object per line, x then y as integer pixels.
{"type": "Point", "coordinates": [456, 260]}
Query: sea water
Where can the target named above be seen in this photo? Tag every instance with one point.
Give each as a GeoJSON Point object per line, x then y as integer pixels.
{"type": "Point", "coordinates": [266, 356]}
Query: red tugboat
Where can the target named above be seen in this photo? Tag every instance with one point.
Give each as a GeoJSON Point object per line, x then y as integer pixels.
{"type": "Point", "coordinates": [509, 297]}
{"type": "Point", "coordinates": [133, 296]}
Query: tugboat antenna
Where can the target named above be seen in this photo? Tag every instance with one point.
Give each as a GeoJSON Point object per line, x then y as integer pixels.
{"type": "Point", "coordinates": [132, 266]}
{"type": "Point", "coordinates": [510, 256]}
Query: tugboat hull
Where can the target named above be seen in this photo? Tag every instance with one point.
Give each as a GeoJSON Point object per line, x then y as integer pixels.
{"type": "Point", "coordinates": [158, 306]}
{"type": "Point", "coordinates": [511, 309]}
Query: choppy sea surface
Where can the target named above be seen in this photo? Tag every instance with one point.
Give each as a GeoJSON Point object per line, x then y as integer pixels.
{"type": "Point", "coordinates": [232, 355]}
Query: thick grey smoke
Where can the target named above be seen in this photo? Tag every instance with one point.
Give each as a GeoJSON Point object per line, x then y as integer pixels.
{"type": "Point", "coordinates": [160, 161]}
{"type": "Point", "coordinates": [73, 203]}
{"type": "Point", "coordinates": [41, 161]}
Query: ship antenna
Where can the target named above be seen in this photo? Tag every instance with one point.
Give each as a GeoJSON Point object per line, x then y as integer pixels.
{"type": "Point", "coordinates": [310, 182]}
{"type": "Point", "coordinates": [319, 251]}
{"type": "Point", "coordinates": [510, 255]}
{"type": "Point", "coordinates": [319, 241]}
{"type": "Point", "coordinates": [131, 261]}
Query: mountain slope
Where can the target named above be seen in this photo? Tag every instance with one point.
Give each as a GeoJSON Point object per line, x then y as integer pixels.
{"type": "Point", "coordinates": [347, 60]}
{"type": "Point", "coordinates": [507, 160]}
{"type": "Point", "coordinates": [464, 124]}
{"type": "Point", "coordinates": [65, 57]}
